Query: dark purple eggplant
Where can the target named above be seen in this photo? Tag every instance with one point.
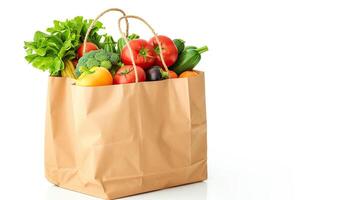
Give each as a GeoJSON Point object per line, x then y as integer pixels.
{"type": "Point", "coordinates": [154, 74]}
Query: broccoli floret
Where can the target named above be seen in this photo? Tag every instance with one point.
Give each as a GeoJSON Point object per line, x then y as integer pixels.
{"type": "Point", "coordinates": [91, 62]}
{"type": "Point", "coordinates": [102, 55]}
{"type": "Point", "coordinates": [97, 58]}
{"type": "Point", "coordinates": [106, 64]}
{"type": "Point", "coordinates": [114, 58]}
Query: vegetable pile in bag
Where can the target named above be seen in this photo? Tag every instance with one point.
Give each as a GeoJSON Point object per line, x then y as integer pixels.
{"type": "Point", "coordinates": [60, 51]}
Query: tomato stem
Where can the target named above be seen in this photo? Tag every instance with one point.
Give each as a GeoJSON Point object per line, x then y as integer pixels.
{"type": "Point", "coordinates": [143, 52]}
{"type": "Point", "coordinates": [126, 71]}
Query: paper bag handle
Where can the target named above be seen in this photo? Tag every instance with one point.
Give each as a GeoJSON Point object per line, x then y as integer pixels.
{"type": "Point", "coordinates": [96, 19]}
{"type": "Point", "coordinates": [131, 51]}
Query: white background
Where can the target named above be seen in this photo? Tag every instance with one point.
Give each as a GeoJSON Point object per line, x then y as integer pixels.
{"type": "Point", "coordinates": [281, 95]}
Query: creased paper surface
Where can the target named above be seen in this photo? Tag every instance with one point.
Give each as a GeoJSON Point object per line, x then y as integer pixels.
{"type": "Point", "coordinates": [120, 140]}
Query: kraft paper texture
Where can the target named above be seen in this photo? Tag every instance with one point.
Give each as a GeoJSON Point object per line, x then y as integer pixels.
{"type": "Point", "coordinates": [120, 140]}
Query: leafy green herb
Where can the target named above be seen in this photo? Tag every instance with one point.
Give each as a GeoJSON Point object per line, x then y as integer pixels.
{"type": "Point", "coordinates": [48, 51]}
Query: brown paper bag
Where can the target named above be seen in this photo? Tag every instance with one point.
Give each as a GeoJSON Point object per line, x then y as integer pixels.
{"type": "Point", "coordinates": [120, 140]}
{"type": "Point", "coordinates": [60, 162]}
{"type": "Point", "coordinates": [115, 141]}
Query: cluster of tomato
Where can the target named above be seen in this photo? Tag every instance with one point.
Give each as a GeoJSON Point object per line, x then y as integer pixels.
{"type": "Point", "coordinates": [146, 55]}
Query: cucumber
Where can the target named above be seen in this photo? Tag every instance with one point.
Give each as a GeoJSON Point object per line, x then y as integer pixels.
{"type": "Point", "coordinates": [180, 45]}
{"type": "Point", "coordinates": [188, 59]}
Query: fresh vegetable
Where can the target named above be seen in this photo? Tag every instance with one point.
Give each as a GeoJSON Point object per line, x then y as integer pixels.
{"type": "Point", "coordinates": [188, 74]}
{"type": "Point", "coordinates": [169, 50]}
{"type": "Point", "coordinates": [98, 58]}
{"type": "Point", "coordinates": [48, 51]}
{"type": "Point", "coordinates": [96, 76]}
{"type": "Point", "coordinates": [180, 45]}
{"type": "Point", "coordinates": [143, 52]}
{"type": "Point", "coordinates": [172, 74]}
{"type": "Point", "coordinates": [89, 47]}
{"type": "Point", "coordinates": [121, 42]}
{"type": "Point", "coordinates": [188, 59]}
{"type": "Point", "coordinates": [126, 74]}
{"type": "Point", "coordinates": [157, 73]}
{"type": "Point", "coordinates": [190, 47]}
{"type": "Point", "coordinates": [68, 70]}
{"type": "Point", "coordinates": [109, 44]}
{"type": "Point", "coordinates": [154, 74]}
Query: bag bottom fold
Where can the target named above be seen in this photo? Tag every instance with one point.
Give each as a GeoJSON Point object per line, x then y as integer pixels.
{"type": "Point", "coordinates": [127, 186]}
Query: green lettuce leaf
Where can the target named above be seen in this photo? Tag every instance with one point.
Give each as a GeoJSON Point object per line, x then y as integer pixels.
{"type": "Point", "coordinates": [48, 51]}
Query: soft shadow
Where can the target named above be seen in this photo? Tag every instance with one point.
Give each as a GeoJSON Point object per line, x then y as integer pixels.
{"type": "Point", "coordinates": [195, 191]}
{"type": "Point", "coordinates": [57, 193]}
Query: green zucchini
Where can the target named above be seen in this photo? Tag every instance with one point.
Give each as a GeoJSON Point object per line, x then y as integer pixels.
{"type": "Point", "coordinates": [180, 45]}
{"type": "Point", "coordinates": [188, 59]}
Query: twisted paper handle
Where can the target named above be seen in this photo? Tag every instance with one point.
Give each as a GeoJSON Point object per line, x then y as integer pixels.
{"type": "Point", "coordinates": [131, 51]}
{"type": "Point", "coordinates": [96, 19]}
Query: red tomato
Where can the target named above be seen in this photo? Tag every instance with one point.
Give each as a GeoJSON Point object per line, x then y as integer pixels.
{"type": "Point", "coordinates": [169, 50]}
{"type": "Point", "coordinates": [126, 74]}
{"type": "Point", "coordinates": [89, 47]}
{"type": "Point", "coordinates": [144, 54]}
